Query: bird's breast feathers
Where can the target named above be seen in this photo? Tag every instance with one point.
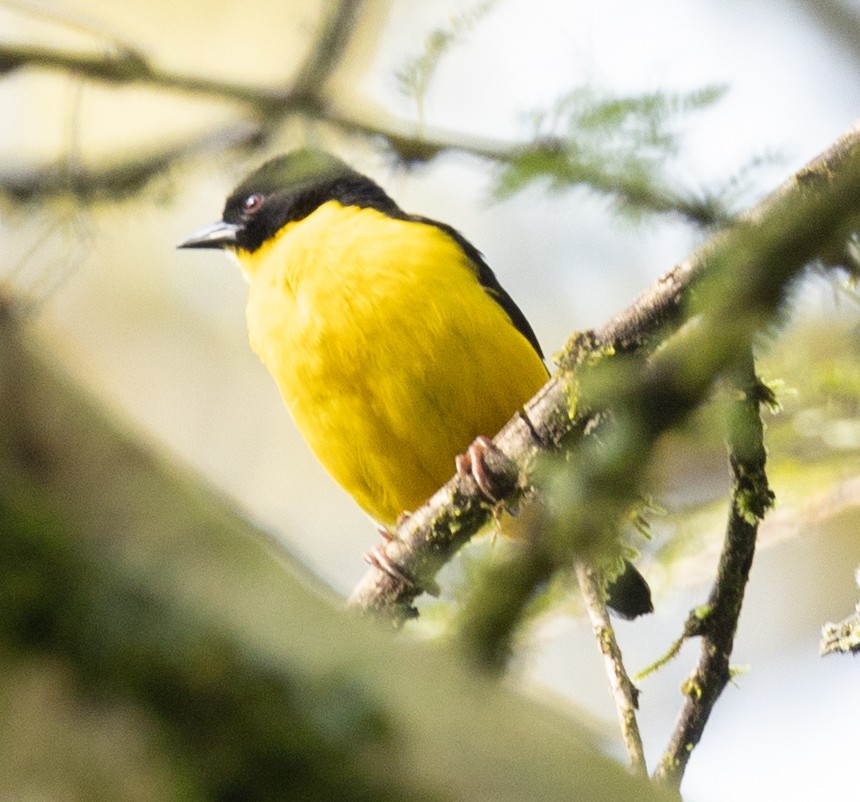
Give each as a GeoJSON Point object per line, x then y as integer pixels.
{"type": "Point", "coordinates": [388, 352]}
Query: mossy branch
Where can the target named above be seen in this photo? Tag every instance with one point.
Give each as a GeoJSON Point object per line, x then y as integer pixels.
{"type": "Point", "coordinates": [717, 622]}
{"type": "Point", "coordinates": [740, 276]}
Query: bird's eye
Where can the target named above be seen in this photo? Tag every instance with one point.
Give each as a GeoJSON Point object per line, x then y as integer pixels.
{"type": "Point", "coordinates": [252, 203]}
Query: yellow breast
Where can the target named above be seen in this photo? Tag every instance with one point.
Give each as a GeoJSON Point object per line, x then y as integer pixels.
{"type": "Point", "coordinates": [387, 351]}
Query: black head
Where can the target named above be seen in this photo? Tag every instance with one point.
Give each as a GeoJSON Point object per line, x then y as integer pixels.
{"type": "Point", "coordinates": [283, 190]}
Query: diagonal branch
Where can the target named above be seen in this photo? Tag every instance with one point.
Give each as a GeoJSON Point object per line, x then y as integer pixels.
{"type": "Point", "coordinates": [755, 258]}
{"type": "Point", "coordinates": [328, 50]}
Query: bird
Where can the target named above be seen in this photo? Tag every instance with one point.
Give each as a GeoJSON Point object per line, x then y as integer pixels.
{"type": "Point", "coordinates": [394, 346]}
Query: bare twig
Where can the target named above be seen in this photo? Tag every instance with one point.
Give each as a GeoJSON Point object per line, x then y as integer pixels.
{"type": "Point", "coordinates": [125, 178]}
{"type": "Point", "coordinates": [130, 66]}
{"type": "Point", "coordinates": [717, 622]}
{"type": "Point", "coordinates": [769, 244]}
{"type": "Point", "coordinates": [266, 107]}
{"type": "Point", "coordinates": [251, 682]}
{"type": "Point", "coordinates": [126, 65]}
{"type": "Point", "coordinates": [624, 692]}
{"type": "Point", "coordinates": [328, 49]}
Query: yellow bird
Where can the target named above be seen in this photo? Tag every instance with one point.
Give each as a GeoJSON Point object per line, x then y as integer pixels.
{"type": "Point", "coordinates": [392, 342]}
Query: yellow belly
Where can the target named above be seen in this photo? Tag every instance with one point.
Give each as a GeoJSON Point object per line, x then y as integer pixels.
{"type": "Point", "coordinates": [387, 351]}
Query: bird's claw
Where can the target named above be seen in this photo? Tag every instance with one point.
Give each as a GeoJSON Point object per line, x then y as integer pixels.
{"type": "Point", "coordinates": [472, 464]}
{"type": "Point", "coordinates": [379, 559]}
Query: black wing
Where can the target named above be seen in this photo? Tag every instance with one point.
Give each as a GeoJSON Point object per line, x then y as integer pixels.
{"type": "Point", "coordinates": [488, 281]}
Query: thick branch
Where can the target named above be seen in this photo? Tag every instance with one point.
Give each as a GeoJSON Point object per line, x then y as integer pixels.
{"type": "Point", "coordinates": [754, 259]}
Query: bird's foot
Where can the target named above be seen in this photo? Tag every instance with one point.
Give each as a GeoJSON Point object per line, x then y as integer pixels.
{"type": "Point", "coordinates": [379, 559]}
{"type": "Point", "coordinates": [386, 534]}
{"type": "Point", "coordinates": [491, 481]}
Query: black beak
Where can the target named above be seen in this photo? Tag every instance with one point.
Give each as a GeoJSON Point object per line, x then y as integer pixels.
{"type": "Point", "coordinates": [218, 235]}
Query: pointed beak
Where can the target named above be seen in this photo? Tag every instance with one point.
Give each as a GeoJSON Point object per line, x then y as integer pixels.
{"type": "Point", "coordinates": [218, 235]}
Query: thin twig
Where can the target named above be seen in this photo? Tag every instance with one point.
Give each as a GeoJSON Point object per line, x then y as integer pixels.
{"type": "Point", "coordinates": [843, 637]}
{"type": "Point", "coordinates": [130, 66]}
{"type": "Point", "coordinates": [624, 692]}
{"type": "Point", "coordinates": [126, 65]}
{"type": "Point", "coordinates": [328, 49]}
{"type": "Point", "coordinates": [717, 623]}
{"type": "Point", "coordinates": [267, 107]}
{"type": "Point", "coordinates": [124, 178]}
